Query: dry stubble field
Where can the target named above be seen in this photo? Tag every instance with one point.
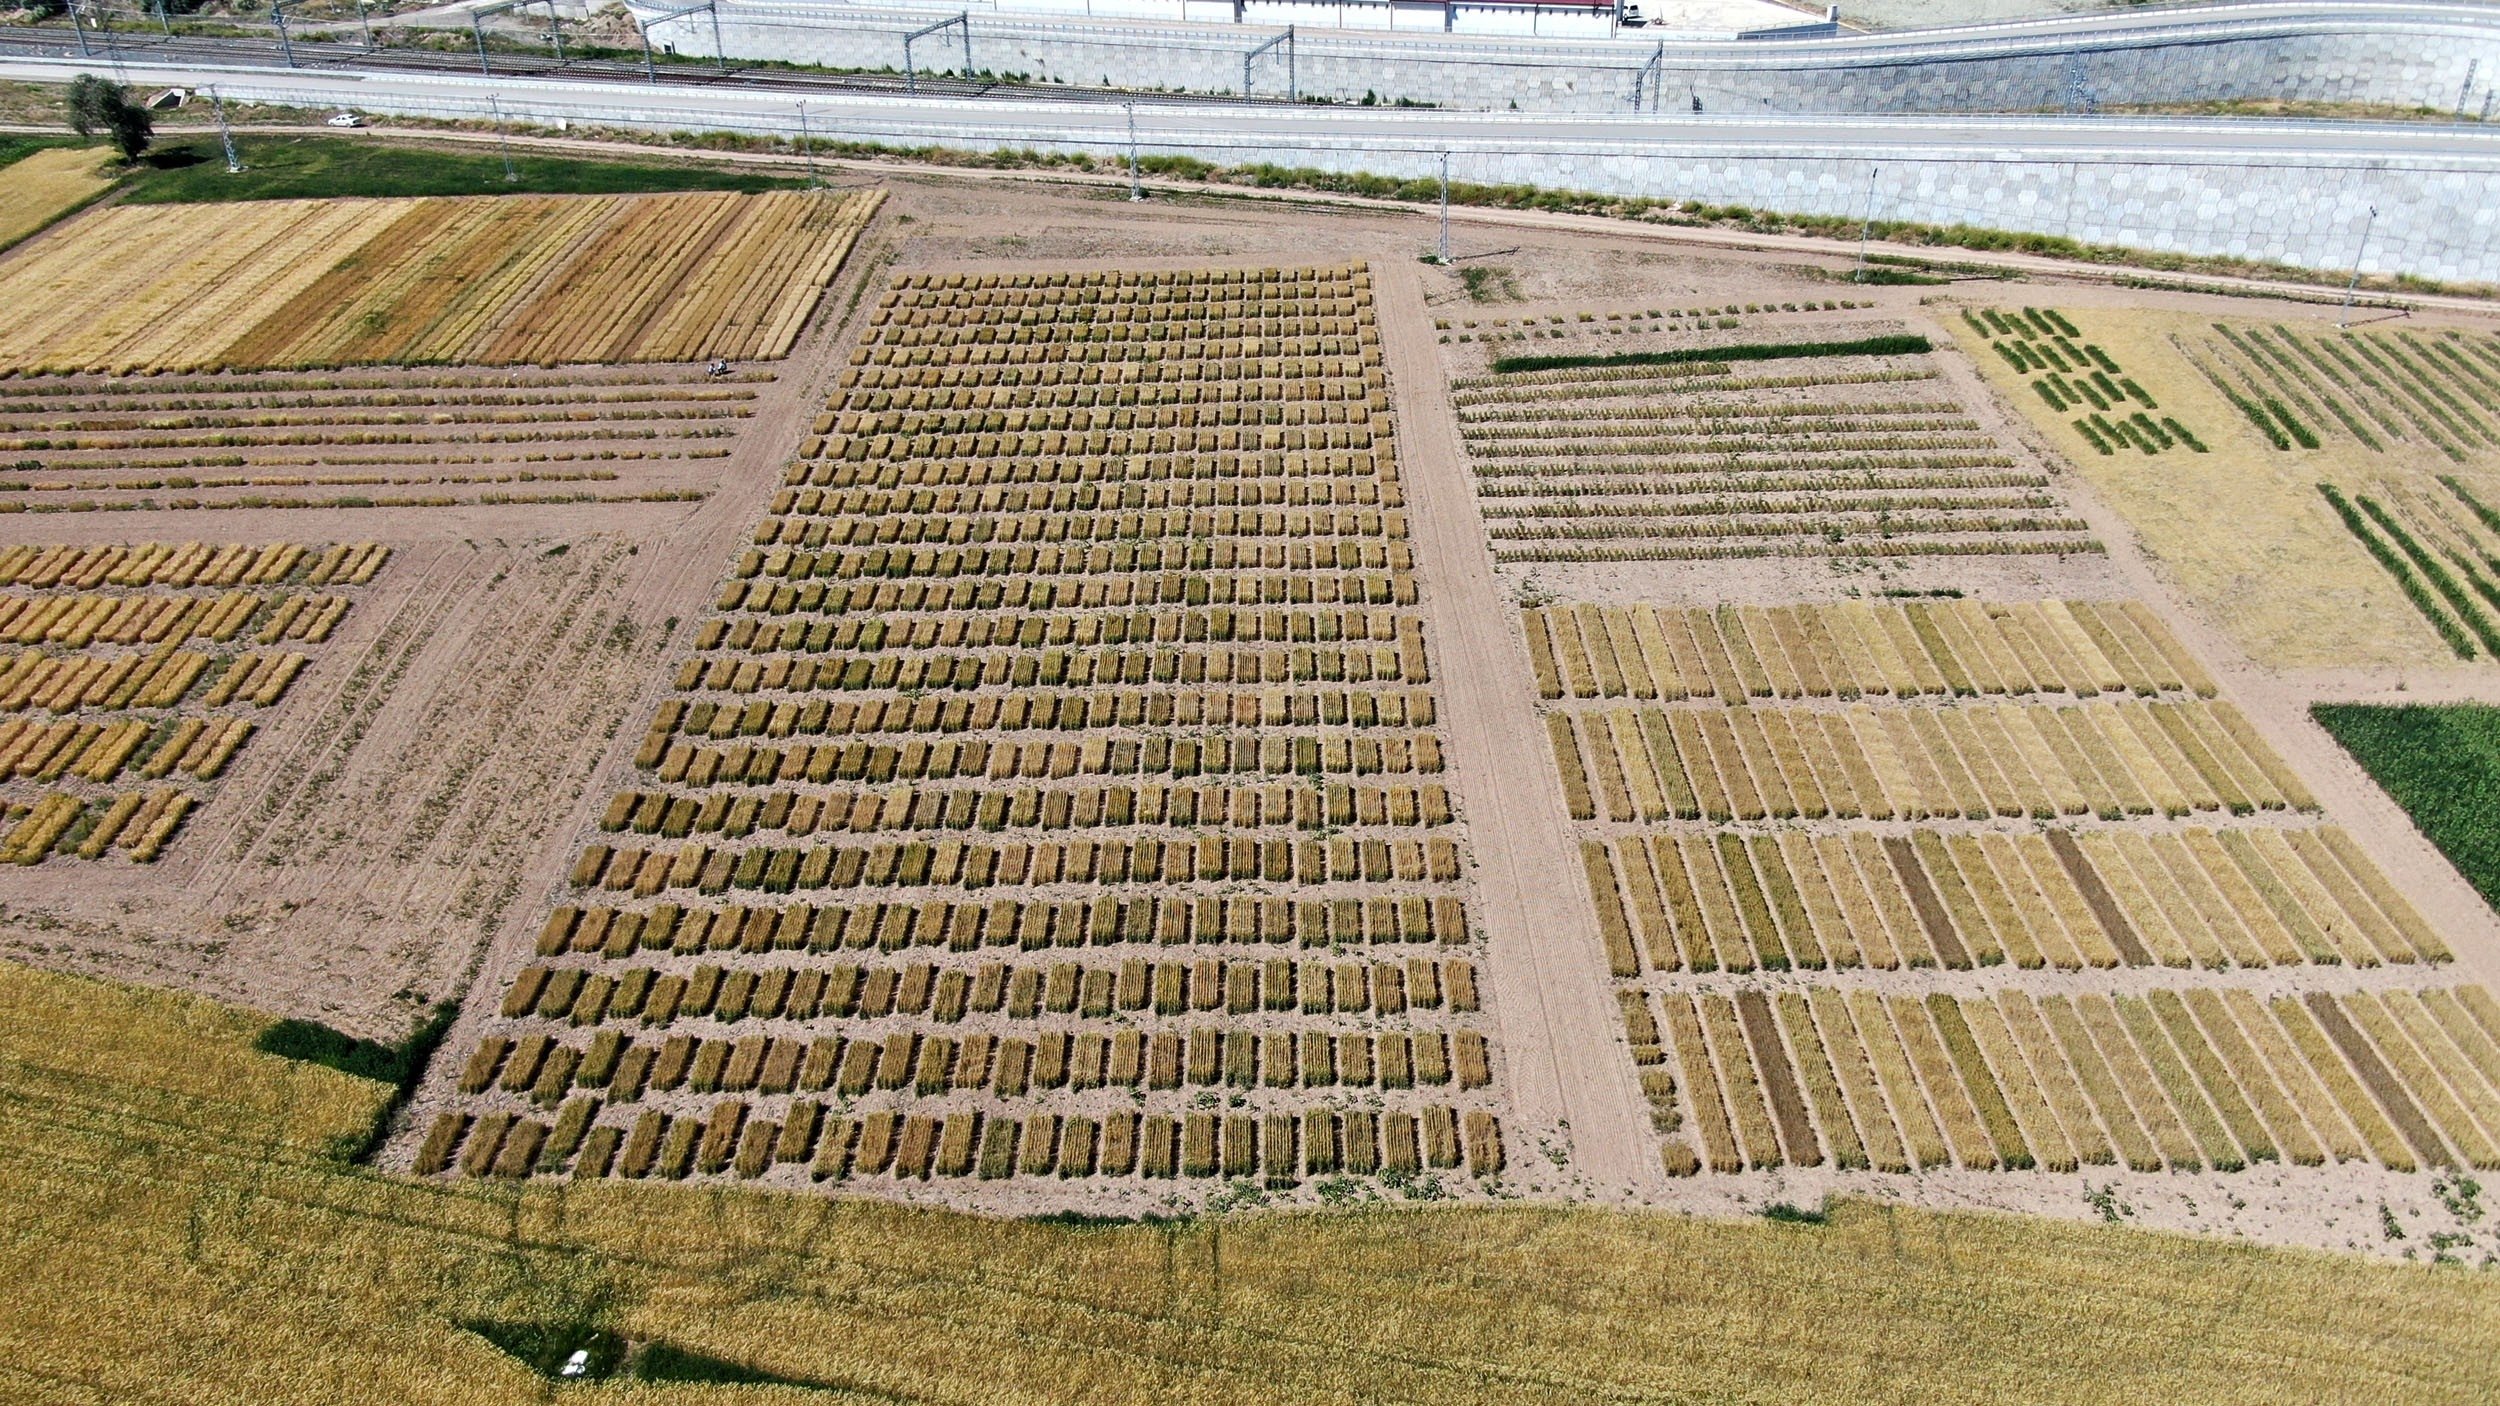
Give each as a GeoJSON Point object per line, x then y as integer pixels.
{"type": "Point", "coordinates": [1097, 730]}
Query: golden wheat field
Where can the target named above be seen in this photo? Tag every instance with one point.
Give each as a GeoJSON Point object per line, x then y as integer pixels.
{"type": "Point", "coordinates": [40, 188]}
{"type": "Point", "coordinates": [178, 1197]}
{"type": "Point", "coordinates": [473, 280]}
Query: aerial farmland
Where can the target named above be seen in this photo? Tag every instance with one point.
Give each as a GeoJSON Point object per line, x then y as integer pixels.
{"type": "Point", "coordinates": [843, 776]}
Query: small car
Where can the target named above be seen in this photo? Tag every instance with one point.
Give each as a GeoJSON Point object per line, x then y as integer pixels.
{"type": "Point", "coordinates": [347, 119]}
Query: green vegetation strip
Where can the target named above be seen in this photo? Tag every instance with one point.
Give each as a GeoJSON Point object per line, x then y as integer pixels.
{"type": "Point", "coordinates": [1898, 345]}
{"type": "Point", "coordinates": [2421, 596]}
{"type": "Point", "coordinates": [316, 168]}
{"type": "Point", "coordinates": [2442, 764]}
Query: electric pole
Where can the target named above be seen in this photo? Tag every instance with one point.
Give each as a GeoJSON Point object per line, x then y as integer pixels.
{"type": "Point", "coordinates": [1866, 230]}
{"type": "Point", "coordinates": [806, 147]}
{"type": "Point", "coordinates": [225, 134]}
{"type": "Point", "coordinates": [1135, 190]}
{"type": "Point", "coordinates": [2343, 318]}
{"type": "Point", "coordinates": [502, 143]}
{"type": "Point", "coordinates": [1445, 209]}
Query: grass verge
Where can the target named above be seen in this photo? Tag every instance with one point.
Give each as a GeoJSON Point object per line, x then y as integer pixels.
{"type": "Point", "coordinates": [309, 168]}
{"type": "Point", "coordinates": [177, 1228]}
{"type": "Point", "coordinates": [2442, 764]}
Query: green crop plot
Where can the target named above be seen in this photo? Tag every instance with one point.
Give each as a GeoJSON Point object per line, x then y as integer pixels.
{"type": "Point", "coordinates": [2442, 764]}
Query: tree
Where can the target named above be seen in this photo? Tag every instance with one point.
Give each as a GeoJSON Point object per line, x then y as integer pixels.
{"type": "Point", "coordinates": [98, 106]}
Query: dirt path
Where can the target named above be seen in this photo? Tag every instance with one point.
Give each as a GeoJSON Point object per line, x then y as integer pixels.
{"type": "Point", "coordinates": [1572, 1085]}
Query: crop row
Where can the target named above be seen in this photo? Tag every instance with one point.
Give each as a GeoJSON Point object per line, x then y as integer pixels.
{"type": "Point", "coordinates": [976, 377]}
{"type": "Point", "coordinates": [884, 599]}
{"type": "Point", "coordinates": [992, 809]}
{"type": "Point", "coordinates": [1267, 344]}
{"type": "Point", "coordinates": [1318, 986]}
{"type": "Point", "coordinates": [1672, 478]}
{"type": "Point", "coordinates": [1012, 1066]}
{"type": "Point", "coordinates": [2445, 560]}
{"type": "Point", "coordinates": [1088, 293]}
{"type": "Point", "coordinates": [161, 678]}
{"type": "Point", "coordinates": [136, 824]}
{"type": "Point", "coordinates": [1177, 492]}
{"type": "Point", "coordinates": [1120, 406]}
{"type": "Point", "coordinates": [1523, 395]}
{"type": "Point", "coordinates": [1325, 427]}
{"type": "Point", "coordinates": [188, 564]}
{"type": "Point", "coordinates": [1039, 711]}
{"type": "Point", "coordinates": [892, 628]}
{"type": "Point", "coordinates": [914, 759]}
{"type": "Point", "coordinates": [1854, 648]}
{"type": "Point", "coordinates": [2103, 898]}
{"type": "Point", "coordinates": [1895, 542]}
{"type": "Point", "coordinates": [1065, 402]}
{"type": "Point", "coordinates": [2200, 1078]}
{"type": "Point", "coordinates": [1005, 517]}
{"type": "Point", "coordinates": [417, 397]}
{"type": "Point", "coordinates": [1879, 763]}
{"type": "Point", "coordinates": [100, 751]}
{"type": "Point", "coordinates": [77, 621]}
{"type": "Point", "coordinates": [1258, 406]}
{"type": "Point", "coordinates": [1655, 489]}
{"type": "Point", "coordinates": [1736, 524]}
{"type": "Point", "coordinates": [1023, 667]}
{"type": "Point", "coordinates": [1177, 562]}
{"type": "Point", "coordinates": [1166, 920]}
{"type": "Point", "coordinates": [958, 863]}
{"type": "Point", "coordinates": [1367, 475]}
{"type": "Point", "coordinates": [1817, 437]}
{"type": "Point", "coordinates": [2440, 387]}
{"type": "Point", "coordinates": [405, 386]}
{"type": "Point", "coordinates": [1279, 1148]}
{"type": "Point", "coordinates": [975, 547]}
{"type": "Point", "coordinates": [160, 418]}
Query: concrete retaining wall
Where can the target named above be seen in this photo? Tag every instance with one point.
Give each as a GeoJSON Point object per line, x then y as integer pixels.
{"type": "Point", "coordinates": [2142, 184]}
{"type": "Point", "coordinates": [2443, 60]}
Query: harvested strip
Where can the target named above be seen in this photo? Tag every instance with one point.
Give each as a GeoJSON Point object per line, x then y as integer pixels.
{"type": "Point", "coordinates": [1884, 1150]}
{"type": "Point", "coordinates": [2126, 1124]}
{"type": "Point", "coordinates": [1831, 1110]}
{"type": "Point", "coordinates": [1963, 1126]}
{"type": "Point", "coordinates": [1901, 1083]}
{"type": "Point", "coordinates": [2056, 1078]}
{"type": "Point", "coordinates": [1924, 901]}
{"type": "Point", "coordinates": [2375, 1076]}
{"type": "Point", "coordinates": [2316, 1055]}
{"type": "Point", "coordinates": [1779, 1081]}
{"type": "Point", "coordinates": [2023, 1092]}
{"type": "Point", "coordinates": [1741, 1084]}
{"type": "Point", "coordinates": [1700, 1082]}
